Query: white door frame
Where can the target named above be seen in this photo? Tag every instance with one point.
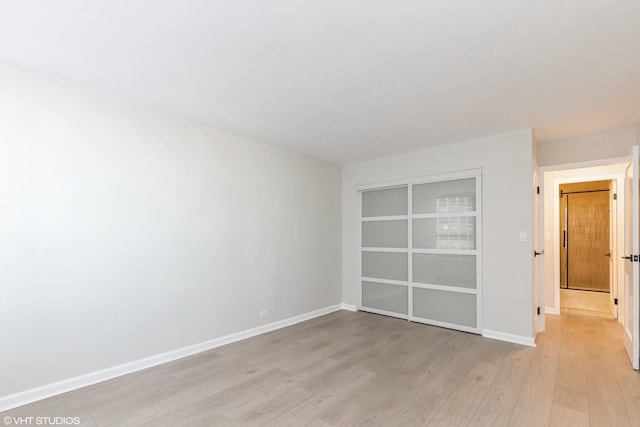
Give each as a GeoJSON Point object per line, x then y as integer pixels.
{"type": "Point", "coordinates": [476, 174]}
{"type": "Point", "coordinates": [583, 171]}
{"type": "Point", "coordinates": [632, 265]}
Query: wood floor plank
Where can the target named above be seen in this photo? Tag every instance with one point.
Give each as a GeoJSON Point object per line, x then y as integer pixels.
{"type": "Point", "coordinates": [606, 402]}
{"type": "Point", "coordinates": [534, 404]}
{"type": "Point", "coordinates": [563, 417]}
{"type": "Point", "coordinates": [571, 384]}
{"type": "Point", "coordinates": [364, 369]}
{"type": "Point", "coordinates": [461, 403]}
{"type": "Point", "coordinates": [497, 405]}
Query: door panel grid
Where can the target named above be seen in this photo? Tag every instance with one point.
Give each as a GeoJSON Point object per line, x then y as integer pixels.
{"type": "Point", "coordinates": [419, 245]}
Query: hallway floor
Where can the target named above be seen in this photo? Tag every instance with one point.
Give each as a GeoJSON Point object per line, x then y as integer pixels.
{"type": "Point", "coordinates": [585, 303]}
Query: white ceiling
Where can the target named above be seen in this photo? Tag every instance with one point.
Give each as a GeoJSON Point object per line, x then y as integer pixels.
{"type": "Point", "coordinates": [345, 80]}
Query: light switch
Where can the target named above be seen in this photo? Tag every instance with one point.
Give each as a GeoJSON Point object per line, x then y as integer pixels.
{"type": "Point", "coordinates": [547, 237]}
{"type": "Point", "coordinates": [523, 236]}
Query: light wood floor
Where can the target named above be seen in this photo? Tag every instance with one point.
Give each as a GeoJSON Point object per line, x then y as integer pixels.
{"type": "Point", "coordinates": [586, 303]}
{"type": "Point", "coordinates": [357, 368]}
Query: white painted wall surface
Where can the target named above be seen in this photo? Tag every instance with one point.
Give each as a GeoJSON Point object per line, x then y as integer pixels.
{"type": "Point", "coordinates": [506, 162]}
{"type": "Point", "coordinates": [127, 232]}
{"type": "Point", "coordinates": [596, 146]}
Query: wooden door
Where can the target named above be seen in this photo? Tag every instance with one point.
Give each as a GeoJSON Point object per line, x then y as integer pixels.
{"type": "Point", "coordinates": [585, 240]}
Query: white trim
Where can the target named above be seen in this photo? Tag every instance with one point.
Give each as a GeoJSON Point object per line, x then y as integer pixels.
{"type": "Point", "coordinates": [384, 281]}
{"type": "Point", "coordinates": [384, 312]}
{"type": "Point", "coordinates": [387, 186]}
{"type": "Point", "coordinates": [375, 249]}
{"type": "Point", "coordinates": [582, 165]}
{"type": "Point", "coordinates": [445, 215]}
{"type": "Point", "coordinates": [446, 251]}
{"type": "Point", "coordinates": [468, 173]}
{"type": "Point", "coordinates": [454, 326]}
{"type": "Point", "coordinates": [503, 336]}
{"type": "Point", "coordinates": [359, 257]}
{"type": "Point", "coordinates": [552, 310]}
{"type": "Point", "coordinates": [28, 396]}
{"type": "Point", "coordinates": [410, 249]}
{"type": "Point", "coordinates": [445, 288]}
{"type": "Point", "coordinates": [349, 307]}
{"type": "Point", "coordinates": [385, 218]}
{"type": "Point", "coordinates": [478, 251]}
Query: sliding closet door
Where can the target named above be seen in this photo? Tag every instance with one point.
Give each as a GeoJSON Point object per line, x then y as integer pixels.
{"type": "Point", "coordinates": [420, 257]}
{"type": "Point", "coordinates": [445, 259]}
{"type": "Point", "coordinates": [384, 253]}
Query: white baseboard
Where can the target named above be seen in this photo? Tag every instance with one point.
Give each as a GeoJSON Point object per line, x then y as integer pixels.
{"type": "Point", "coordinates": [551, 310]}
{"type": "Point", "coordinates": [64, 386]}
{"type": "Point", "coordinates": [349, 307]}
{"type": "Point", "coordinates": [503, 336]}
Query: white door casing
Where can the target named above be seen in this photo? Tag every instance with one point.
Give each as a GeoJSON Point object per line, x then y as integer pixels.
{"type": "Point", "coordinates": [632, 264]}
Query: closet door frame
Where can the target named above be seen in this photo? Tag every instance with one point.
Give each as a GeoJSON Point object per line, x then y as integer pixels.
{"type": "Point", "coordinates": [477, 252]}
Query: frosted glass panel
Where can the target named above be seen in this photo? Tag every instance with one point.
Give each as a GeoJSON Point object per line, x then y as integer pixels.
{"type": "Point", "coordinates": [450, 307]}
{"type": "Point", "coordinates": [456, 232]}
{"type": "Point", "coordinates": [389, 201]}
{"type": "Point", "coordinates": [385, 265]}
{"type": "Point", "coordinates": [385, 234]}
{"type": "Point", "coordinates": [385, 297]}
{"type": "Point", "coordinates": [447, 270]}
{"type": "Point", "coordinates": [444, 197]}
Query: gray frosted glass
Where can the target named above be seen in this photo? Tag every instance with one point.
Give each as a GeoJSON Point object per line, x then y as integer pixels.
{"type": "Point", "coordinates": [457, 232]}
{"type": "Point", "coordinates": [385, 265]}
{"type": "Point", "coordinates": [446, 270]}
{"type": "Point", "coordinates": [392, 298]}
{"type": "Point", "coordinates": [385, 234]}
{"type": "Point", "coordinates": [445, 196]}
{"type": "Point", "coordinates": [385, 202]}
{"type": "Point", "coordinates": [450, 307]}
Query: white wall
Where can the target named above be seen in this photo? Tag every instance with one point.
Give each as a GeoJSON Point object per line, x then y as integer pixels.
{"type": "Point", "coordinates": [607, 144]}
{"type": "Point", "coordinates": [506, 162]}
{"type": "Point", "coordinates": [127, 232]}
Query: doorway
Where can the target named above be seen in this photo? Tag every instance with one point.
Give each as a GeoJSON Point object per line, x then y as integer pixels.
{"type": "Point", "coordinates": [571, 178]}
{"type": "Point", "coordinates": [624, 224]}
{"type": "Point", "coordinates": [585, 248]}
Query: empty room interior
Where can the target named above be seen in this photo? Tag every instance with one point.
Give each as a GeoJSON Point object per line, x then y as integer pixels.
{"type": "Point", "coordinates": [326, 213]}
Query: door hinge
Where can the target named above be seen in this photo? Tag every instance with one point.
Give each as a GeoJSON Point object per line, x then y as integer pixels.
{"type": "Point", "coordinates": [615, 301]}
{"type": "Point", "coordinates": [615, 196]}
{"type": "Point", "coordinates": [538, 311]}
{"type": "Point", "coordinates": [561, 194]}
{"type": "Point", "coordinates": [538, 189]}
